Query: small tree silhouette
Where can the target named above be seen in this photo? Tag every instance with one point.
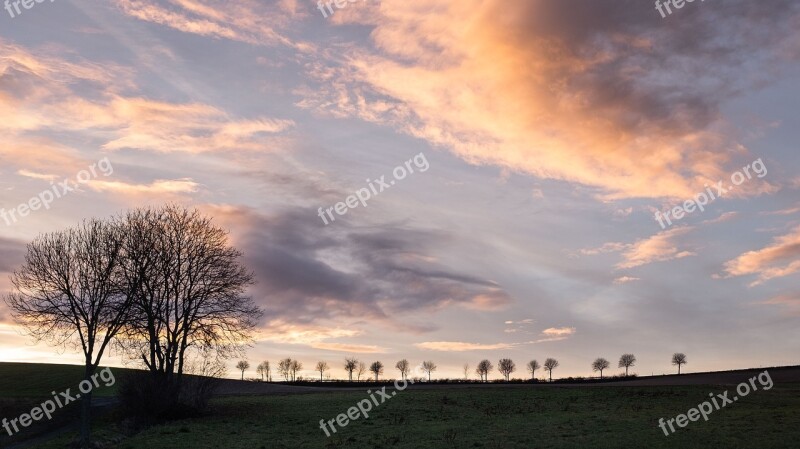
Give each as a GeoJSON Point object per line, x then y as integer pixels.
{"type": "Point", "coordinates": [377, 369]}
{"type": "Point", "coordinates": [506, 367]}
{"type": "Point", "coordinates": [550, 365]}
{"type": "Point", "coordinates": [243, 366]}
{"type": "Point", "coordinates": [679, 359]}
{"type": "Point", "coordinates": [533, 365]}
{"type": "Point", "coordinates": [404, 367]}
{"type": "Point", "coordinates": [483, 369]}
{"type": "Point", "coordinates": [350, 365]}
{"type": "Point", "coordinates": [322, 367]}
{"type": "Point", "coordinates": [599, 365]}
{"type": "Point", "coordinates": [626, 361]}
{"type": "Point", "coordinates": [428, 367]}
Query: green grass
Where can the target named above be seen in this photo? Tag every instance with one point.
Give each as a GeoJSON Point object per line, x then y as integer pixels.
{"type": "Point", "coordinates": [35, 380]}
{"type": "Point", "coordinates": [494, 417]}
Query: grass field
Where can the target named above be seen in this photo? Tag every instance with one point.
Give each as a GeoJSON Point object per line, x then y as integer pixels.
{"type": "Point", "coordinates": [471, 417]}
{"type": "Point", "coordinates": [495, 417]}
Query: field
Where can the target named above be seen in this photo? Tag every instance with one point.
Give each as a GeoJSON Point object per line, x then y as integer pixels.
{"type": "Point", "coordinates": [490, 416]}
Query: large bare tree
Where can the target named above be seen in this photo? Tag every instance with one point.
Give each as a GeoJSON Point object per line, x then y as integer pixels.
{"type": "Point", "coordinates": [506, 367]}
{"type": "Point", "coordinates": [69, 292]}
{"type": "Point", "coordinates": [294, 367]}
{"type": "Point", "coordinates": [263, 370]}
{"type": "Point", "coordinates": [189, 289]}
{"type": "Point", "coordinates": [285, 369]}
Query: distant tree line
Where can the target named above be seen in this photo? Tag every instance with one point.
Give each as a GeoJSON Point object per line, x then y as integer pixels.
{"type": "Point", "coordinates": [288, 367]}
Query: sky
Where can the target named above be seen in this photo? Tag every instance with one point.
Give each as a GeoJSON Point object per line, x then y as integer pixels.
{"type": "Point", "coordinates": [514, 154]}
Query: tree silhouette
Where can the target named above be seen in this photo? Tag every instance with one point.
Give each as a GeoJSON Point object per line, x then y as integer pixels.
{"type": "Point", "coordinates": [599, 365]}
{"type": "Point", "coordinates": [626, 361]}
{"type": "Point", "coordinates": [294, 367]}
{"type": "Point", "coordinates": [322, 367]}
{"type": "Point", "coordinates": [550, 365]}
{"type": "Point", "coordinates": [243, 366]}
{"type": "Point", "coordinates": [72, 289]}
{"type": "Point", "coordinates": [285, 369]}
{"type": "Point", "coordinates": [376, 368]}
{"type": "Point", "coordinates": [404, 367]}
{"type": "Point", "coordinates": [350, 365]}
{"type": "Point", "coordinates": [263, 369]}
{"type": "Point", "coordinates": [362, 368]}
{"type": "Point", "coordinates": [483, 369]}
{"type": "Point", "coordinates": [428, 367]}
{"type": "Point", "coordinates": [466, 371]}
{"type": "Point", "coordinates": [533, 365]}
{"type": "Point", "coordinates": [679, 359]}
{"type": "Point", "coordinates": [506, 367]}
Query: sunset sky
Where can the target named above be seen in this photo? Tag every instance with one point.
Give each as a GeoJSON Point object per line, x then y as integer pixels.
{"type": "Point", "coordinates": [553, 131]}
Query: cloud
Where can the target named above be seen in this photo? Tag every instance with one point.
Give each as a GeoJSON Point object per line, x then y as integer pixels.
{"type": "Point", "coordinates": [727, 216]}
{"type": "Point", "coordinates": [625, 280]}
{"type": "Point", "coordinates": [158, 187]}
{"type": "Point", "coordinates": [779, 259]}
{"type": "Point", "coordinates": [607, 97]}
{"type": "Point", "coordinates": [247, 21]}
{"type": "Point", "coordinates": [459, 346]}
{"type": "Point", "coordinates": [309, 273]}
{"type": "Point", "coordinates": [558, 331]}
{"type": "Point", "coordinates": [314, 336]}
{"type": "Point", "coordinates": [657, 248]}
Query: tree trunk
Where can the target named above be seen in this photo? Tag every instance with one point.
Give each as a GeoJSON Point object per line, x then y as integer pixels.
{"type": "Point", "coordinates": [86, 412]}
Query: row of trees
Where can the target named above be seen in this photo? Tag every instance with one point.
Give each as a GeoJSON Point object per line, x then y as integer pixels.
{"type": "Point", "coordinates": [162, 285]}
{"type": "Point", "coordinates": [288, 367]}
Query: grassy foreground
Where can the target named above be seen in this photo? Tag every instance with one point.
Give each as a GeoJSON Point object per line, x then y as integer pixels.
{"type": "Point", "coordinates": [492, 417]}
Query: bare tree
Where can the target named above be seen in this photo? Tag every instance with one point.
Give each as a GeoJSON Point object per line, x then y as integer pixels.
{"type": "Point", "coordinates": [506, 367]}
{"type": "Point", "coordinates": [626, 361]}
{"type": "Point", "coordinates": [285, 369]}
{"type": "Point", "coordinates": [362, 368]}
{"type": "Point", "coordinates": [404, 367]}
{"type": "Point", "coordinates": [377, 369]}
{"type": "Point", "coordinates": [679, 359]}
{"type": "Point", "coordinates": [189, 289]}
{"type": "Point", "coordinates": [263, 369]}
{"type": "Point", "coordinates": [483, 369]}
{"type": "Point", "coordinates": [532, 366]}
{"type": "Point", "coordinates": [466, 371]}
{"type": "Point", "coordinates": [243, 366]}
{"type": "Point", "coordinates": [322, 367]}
{"type": "Point", "coordinates": [429, 367]}
{"type": "Point", "coordinates": [599, 365]}
{"type": "Point", "coordinates": [69, 291]}
{"type": "Point", "coordinates": [550, 365]}
{"type": "Point", "coordinates": [350, 365]}
{"type": "Point", "coordinates": [294, 367]}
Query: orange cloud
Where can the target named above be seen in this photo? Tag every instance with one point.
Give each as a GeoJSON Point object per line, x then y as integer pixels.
{"type": "Point", "coordinates": [657, 248]}
{"type": "Point", "coordinates": [558, 331]}
{"type": "Point", "coordinates": [537, 99]}
{"type": "Point", "coordinates": [779, 259]}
